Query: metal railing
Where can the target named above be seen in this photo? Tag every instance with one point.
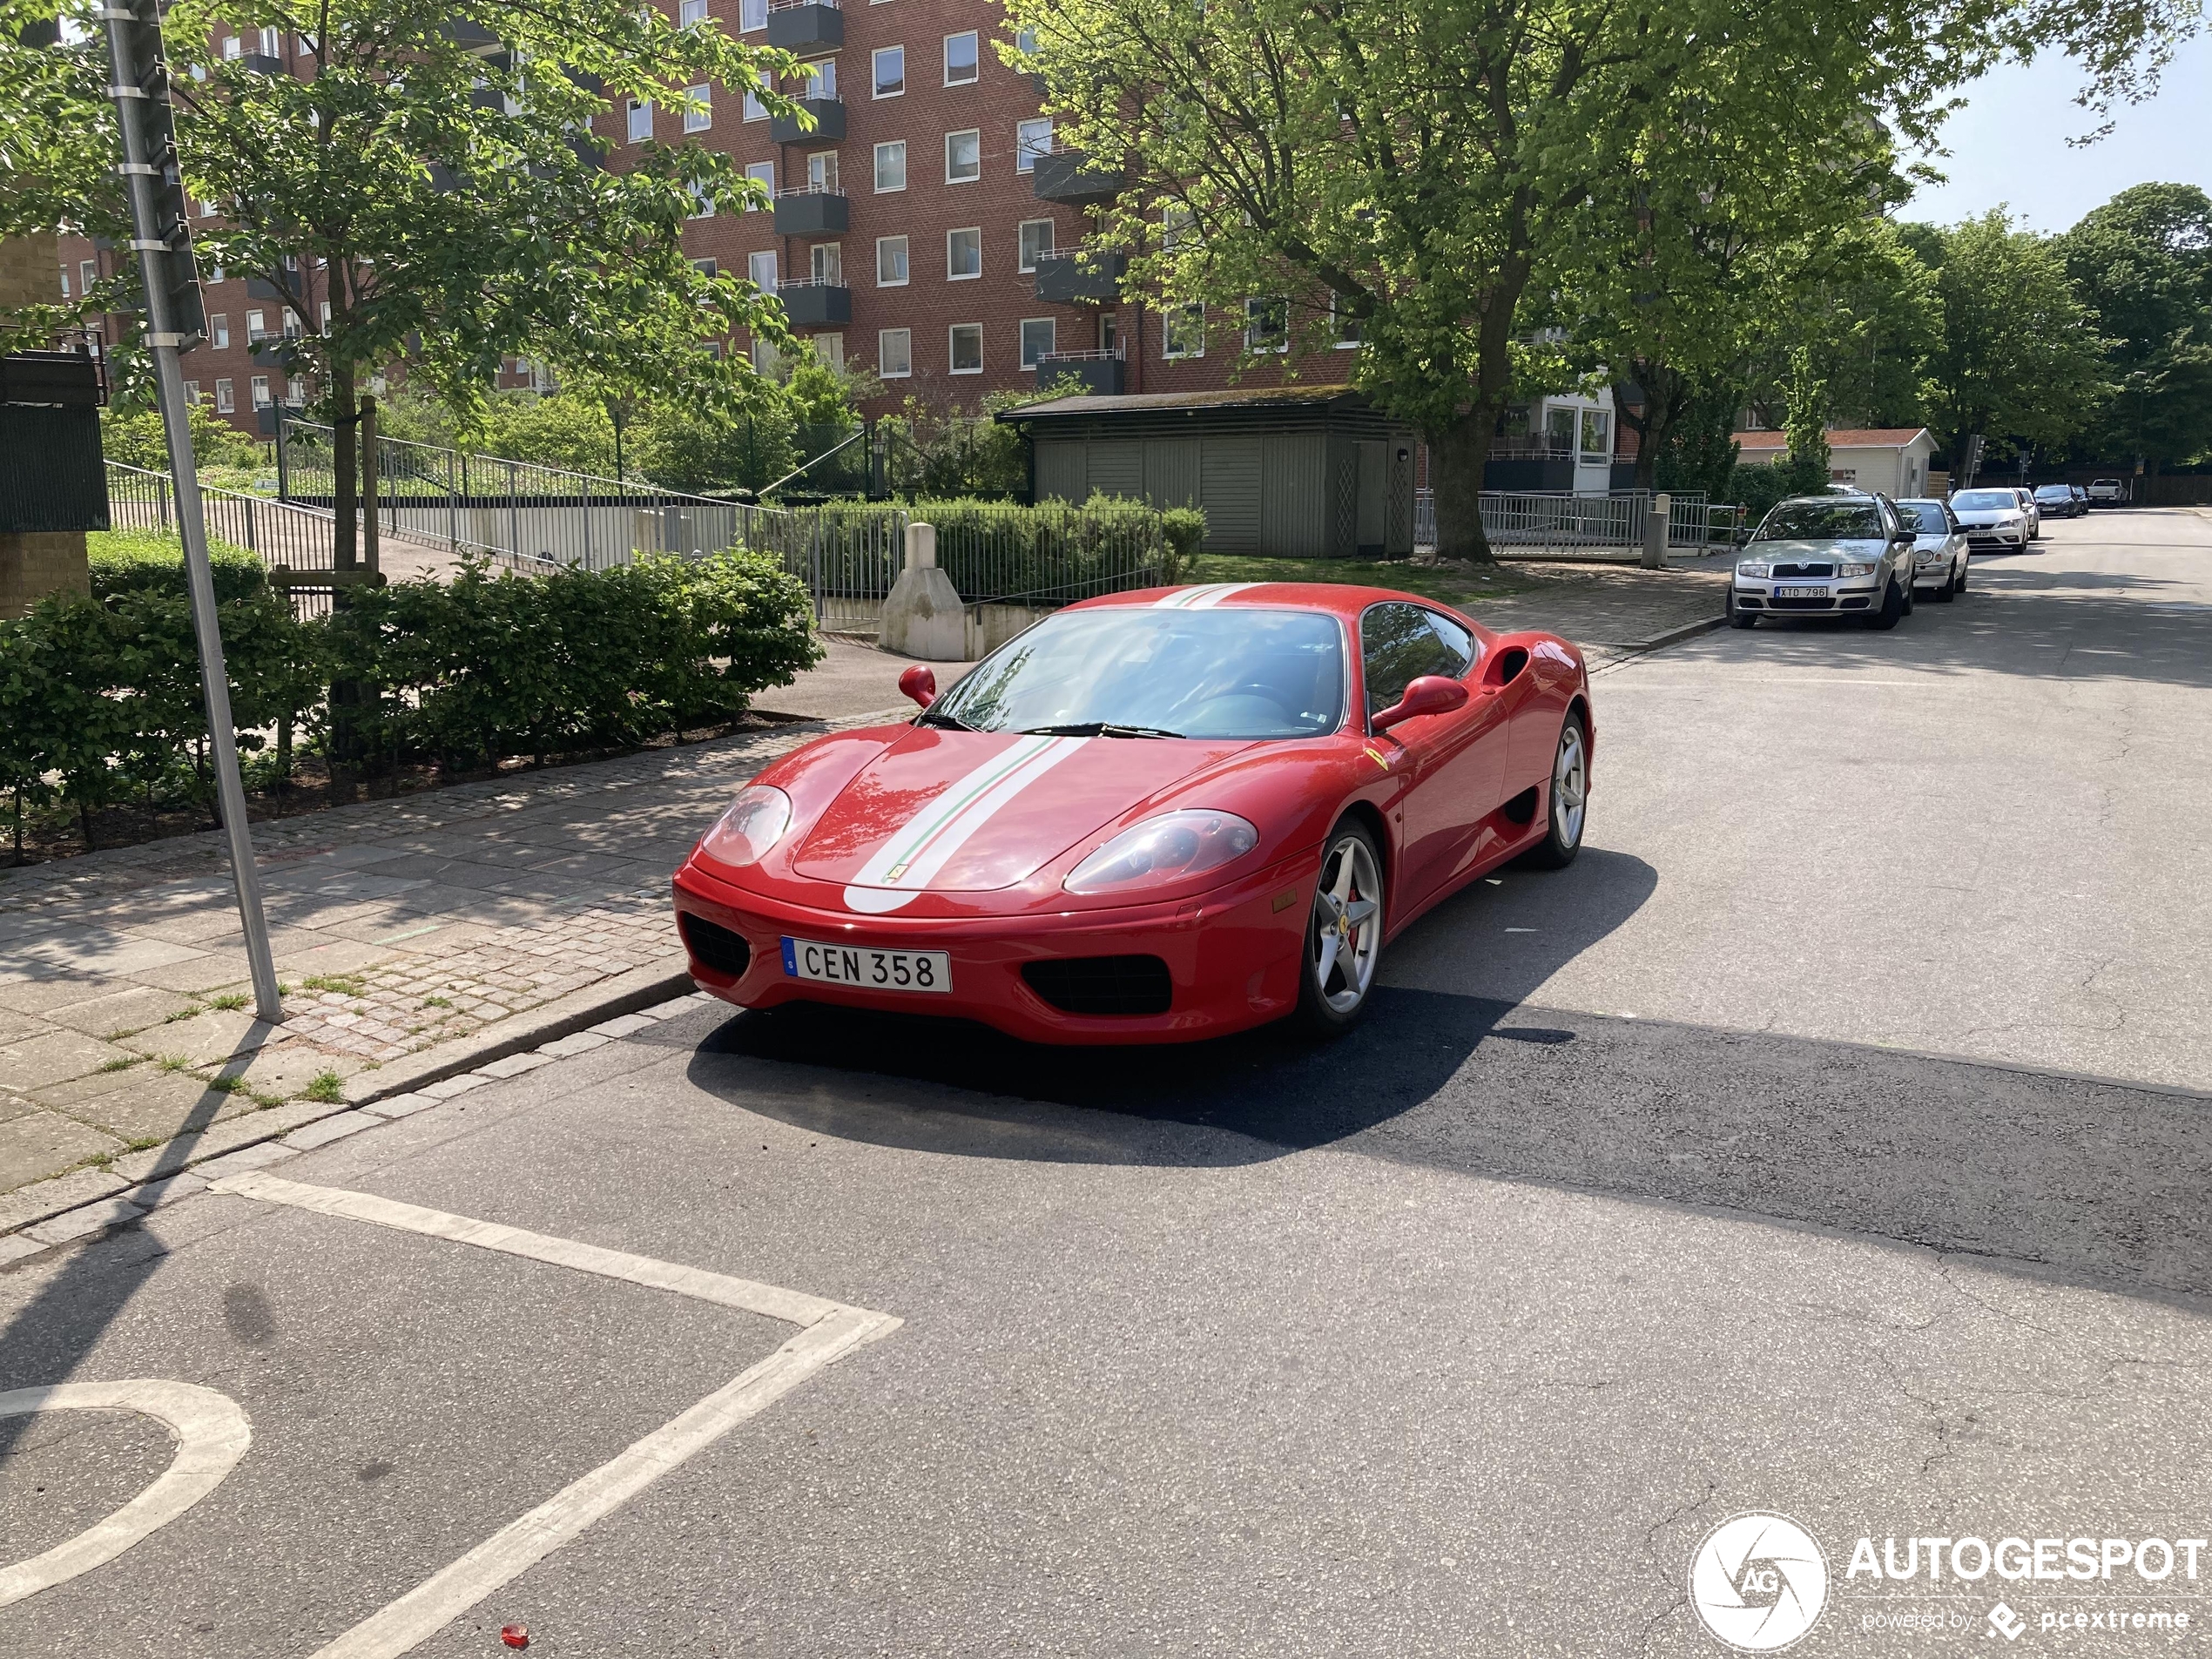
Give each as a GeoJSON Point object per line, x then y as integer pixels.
{"type": "Point", "coordinates": [285, 535]}
{"type": "Point", "coordinates": [1565, 524]}
{"type": "Point", "coordinates": [998, 553]}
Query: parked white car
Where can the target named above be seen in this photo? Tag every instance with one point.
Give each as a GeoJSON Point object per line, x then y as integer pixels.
{"type": "Point", "coordinates": [1939, 551]}
{"type": "Point", "coordinates": [2107, 492]}
{"type": "Point", "coordinates": [1826, 555]}
{"type": "Point", "coordinates": [1994, 520]}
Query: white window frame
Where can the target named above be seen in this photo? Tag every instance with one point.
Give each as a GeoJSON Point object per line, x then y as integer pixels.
{"type": "Point", "coordinates": [225, 400]}
{"type": "Point", "coordinates": [630, 121]}
{"type": "Point", "coordinates": [1251, 308]}
{"type": "Point", "coordinates": [1022, 338]}
{"type": "Point", "coordinates": [257, 327]}
{"type": "Point", "coordinates": [218, 331]}
{"type": "Point", "coordinates": [952, 177]}
{"type": "Point", "coordinates": [899, 145]}
{"type": "Point", "coordinates": [969, 35]}
{"type": "Point", "coordinates": [823, 174]}
{"type": "Point", "coordinates": [833, 278]}
{"type": "Point", "coordinates": [260, 389]}
{"type": "Point", "coordinates": [976, 275]}
{"type": "Point", "coordinates": [690, 13]}
{"type": "Point", "coordinates": [702, 203]}
{"type": "Point", "coordinates": [699, 120]}
{"type": "Point", "coordinates": [1337, 325]}
{"type": "Point", "coordinates": [829, 349]}
{"type": "Point", "coordinates": [752, 14]}
{"type": "Point", "coordinates": [875, 72]}
{"type": "Point", "coordinates": [1603, 420]}
{"type": "Point", "coordinates": [1021, 258]}
{"type": "Point", "coordinates": [1027, 136]}
{"type": "Point", "coordinates": [192, 392]}
{"type": "Point", "coordinates": [952, 355]}
{"type": "Point", "coordinates": [906, 261]}
{"type": "Point", "coordinates": [761, 172]}
{"type": "Point", "coordinates": [753, 109]}
{"type": "Point", "coordinates": [821, 77]}
{"type": "Point", "coordinates": [905, 339]}
{"type": "Point", "coordinates": [753, 269]}
{"type": "Point", "coordinates": [1167, 331]}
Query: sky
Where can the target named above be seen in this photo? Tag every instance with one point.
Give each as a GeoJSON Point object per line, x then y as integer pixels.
{"type": "Point", "coordinates": [2009, 144]}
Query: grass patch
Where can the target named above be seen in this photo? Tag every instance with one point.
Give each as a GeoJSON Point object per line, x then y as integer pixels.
{"type": "Point", "coordinates": [263, 1100]}
{"type": "Point", "coordinates": [144, 1142]}
{"type": "Point", "coordinates": [1453, 581]}
{"type": "Point", "coordinates": [328, 1087]}
{"type": "Point", "coordinates": [101, 1160]}
{"type": "Point", "coordinates": [436, 1002]}
{"type": "Point", "coordinates": [343, 984]}
{"type": "Point", "coordinates": [173, 1062]}
{"type": "Point", "coordinates": [228, 1001]}
{"type": "Point", "coordinates": [121, 1062]}
{"type": "Point", "coordinates": [184, 1013]}
{"type": "Point", "coordinates": [226, 1085]}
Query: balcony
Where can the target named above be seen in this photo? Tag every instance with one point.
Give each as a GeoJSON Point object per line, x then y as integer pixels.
{"type": "Point", "coordinates": [1071, 276]}
{"type": "Point", "coordinates": [1099, 371]}
{"type": "Point", "coordinates": [816, 304]}
{"type": "Point", "coordinates": [800, 25]}
{"type": "Point", "coordinates": [1068, 177]}
{"type": "Point", "coordinates": [829, 123]}
{"type": "Point", "coordinates": [813, 213]}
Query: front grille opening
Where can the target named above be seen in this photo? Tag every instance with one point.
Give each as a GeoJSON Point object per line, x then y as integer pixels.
{"type": "Point", "coordinates": [1856, 604]}
{"type": "Point", "coordinates": [1126, 985]}
{"type": "Point", "coordinates": [1781, 570]}
{"type": "Point", "coordinates": [714, 946]}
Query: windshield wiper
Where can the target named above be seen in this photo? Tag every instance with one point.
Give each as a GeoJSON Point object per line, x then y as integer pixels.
{"type": "Point", "coordinates": [938, 716]}
{"type": "Point", "coordinates": [1099, 729]}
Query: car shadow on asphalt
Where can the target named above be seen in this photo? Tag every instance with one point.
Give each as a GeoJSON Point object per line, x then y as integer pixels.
{"type": "Point", "coordinates": [1272, 1090]}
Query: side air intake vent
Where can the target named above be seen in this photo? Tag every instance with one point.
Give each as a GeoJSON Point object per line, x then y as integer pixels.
{"type": "Point", "coordinates": [714, 946]}
{"type": "Point", "coordinates": [1103, 984]}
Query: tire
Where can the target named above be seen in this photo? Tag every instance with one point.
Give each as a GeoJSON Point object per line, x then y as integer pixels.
{"type": "Point", "coordinates": [1942, 594]}
{"type": "Point", "coordinates": [1349, 901]}
{"type": "Point", "coordinates": [1959, 585]}
{"type": "Point", "coordinates": [1892, 612]}
{"type": "Point", "coordinates": [1565, 799]}
{"type": "Point", "coordinates": [1738, 617]}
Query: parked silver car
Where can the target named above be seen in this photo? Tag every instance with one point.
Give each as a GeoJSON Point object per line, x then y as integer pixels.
{"type": "Point", "coordinates": [1826, 556]}
{"type": "Point", "coordinates": [1938, 548]}
{"type": "Point", "coordinates": [1993, 519]}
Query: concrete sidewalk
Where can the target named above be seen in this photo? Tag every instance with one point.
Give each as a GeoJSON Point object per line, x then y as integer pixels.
{"type": "Point", "coordinates": [420, 937]}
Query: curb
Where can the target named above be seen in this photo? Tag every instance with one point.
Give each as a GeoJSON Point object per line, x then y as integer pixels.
{"type": "Point", "coordinates": [1659, 642]}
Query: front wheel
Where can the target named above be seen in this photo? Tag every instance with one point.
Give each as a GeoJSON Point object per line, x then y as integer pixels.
{"type": "Point", "coordinates": [1343, 933]}
{"type": "Point", "coordinates": [1738, 616]}
{"type": "Point", "coordinates": [1568, 798]}
{"type": "Point", "coordinates": [1892, 609]}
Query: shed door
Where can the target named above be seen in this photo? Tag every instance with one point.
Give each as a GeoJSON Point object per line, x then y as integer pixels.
{"type": "Point", "coordinates": [1229, 490]}
{"type": "Point", "coordinates": [1374, 498]}
{"type": "Point", "coordinates": [1171, 472]}
{"type": "Point", "coordinates": [1118, 467]}
{"type": "Point", "coordinates": [1060, 470]}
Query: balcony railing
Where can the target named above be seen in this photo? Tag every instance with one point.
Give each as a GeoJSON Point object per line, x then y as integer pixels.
{"type": "Point", "coordinates": [1067, 276]}
{"type": "Point", "coordinates": [1100, 371]}
{"type": "Point", "coordinates": [797, 24]}
{"type": "Point", "coordinates": [1071, 178]}
{"type": "Point", "coordinates": [815, 302]}
{"type": "Point", "coordinates": [811, 211]}
{"type": "Point", "coordinates": [829, 128]}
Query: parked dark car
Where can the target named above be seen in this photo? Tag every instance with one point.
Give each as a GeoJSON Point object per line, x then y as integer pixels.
{"type": "Point", "coordinates": [2059, 501]}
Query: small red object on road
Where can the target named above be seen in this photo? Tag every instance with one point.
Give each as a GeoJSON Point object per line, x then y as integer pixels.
{"type": "Point", "coordinates": [514, 1636]}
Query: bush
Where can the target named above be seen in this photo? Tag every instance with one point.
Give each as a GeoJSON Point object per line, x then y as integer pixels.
{"type": "Point", "coordinates": [133, 436]}
{"type": "Point", "coordinates": [153, 561]}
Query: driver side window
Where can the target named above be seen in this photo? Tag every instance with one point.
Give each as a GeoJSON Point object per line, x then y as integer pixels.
{"type": "Point", "coordinates": [1397, 644]}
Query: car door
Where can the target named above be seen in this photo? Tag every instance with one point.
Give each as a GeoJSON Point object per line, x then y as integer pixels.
{"type": "Point", "coordinates": [1455, 761]}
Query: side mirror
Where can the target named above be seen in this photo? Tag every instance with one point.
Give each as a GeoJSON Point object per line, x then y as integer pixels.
{"type": "Point", "coordinates": [919, 683]}
{"type": "Point", "coordinates": [1430, 694]}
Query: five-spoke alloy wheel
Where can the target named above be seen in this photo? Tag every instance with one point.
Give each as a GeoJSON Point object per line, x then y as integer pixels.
{"type": "Point", "coordinates": [1344, 933]}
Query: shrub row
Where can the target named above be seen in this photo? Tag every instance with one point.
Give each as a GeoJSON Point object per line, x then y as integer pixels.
{"type": "Point", "coordinates": [100, 697]}
{"type": "Point", "coordinates": [996, 549]}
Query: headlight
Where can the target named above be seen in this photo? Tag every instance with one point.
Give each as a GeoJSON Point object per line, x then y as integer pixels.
{"type": "Point", "coordinates": [749, 826]}
{"type": "Point", "coordinates": [1761, 571]}
{"type": "Point", "coordinates": [1856, 567]}
{"type": "Point", "coordinates": [1168, 848]}
{"type": "Point", "coordinates": [1927, 555]}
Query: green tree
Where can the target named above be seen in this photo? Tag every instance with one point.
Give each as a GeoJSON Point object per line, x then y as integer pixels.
{"type": "Point", "coordinates": [2142, 265]}
{"type": "Point", "coordinates": [2017, 357]}
{"type": "Point", "coordinates": [1867, 315]}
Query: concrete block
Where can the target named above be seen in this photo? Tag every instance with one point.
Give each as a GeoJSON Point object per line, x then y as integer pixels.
{"type": "Point", "coordinates": [400, 1105]}
{"type": "Point", "coordinates": [622, 1025]}
{"type": "Point", "coordinates": [446, 1089]}
{"type": "Point", "coordinates": [330, 1129]}
{"type": "Point", "coordinates": [168, 1190]}
{"type": "Point", "coordinates": [924, 616]}
{"type": "Point", "coordinates": [15, 1246]}
{"type": "Point", "coordinates": [83, 1223]}
{"type": "Point", "coordinates": [580, 1042]}
{"type": "Point", "coordinates": [514, 1065]}
{"type": "Point", "coordinates": [247, 1157]}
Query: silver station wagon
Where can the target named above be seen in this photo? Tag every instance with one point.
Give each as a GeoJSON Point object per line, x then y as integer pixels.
{"type": "Point", "coordinates": [1816, 556]}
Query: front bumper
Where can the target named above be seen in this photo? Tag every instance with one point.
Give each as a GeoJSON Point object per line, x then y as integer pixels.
{"type": "Point", "coordinates": [1233, 956]}
{"type": "Point", "coordinates": [1993, 538]}
{"type": "Point", "coordinates": [1937, 573]}
{"type": "Point", "coordinates": [1850, 595]}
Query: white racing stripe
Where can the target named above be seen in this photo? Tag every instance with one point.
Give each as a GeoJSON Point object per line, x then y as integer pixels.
{"type": "Point", "coordinates": [1201, 598]}
{"type": "Point", "coordinates": [911, 854]}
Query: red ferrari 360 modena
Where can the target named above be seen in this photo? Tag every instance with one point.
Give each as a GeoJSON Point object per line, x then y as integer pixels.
{"type": "Point", "coordinates": [1153, 817]}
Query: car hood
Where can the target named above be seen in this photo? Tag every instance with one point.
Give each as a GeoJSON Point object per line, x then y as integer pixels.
{"type": "Point", "coordinates": [1793, 552]}
{"type": "Point", "coordinates": [1985, 514]}
{"type": "Point", "coordinates": [968, 812]}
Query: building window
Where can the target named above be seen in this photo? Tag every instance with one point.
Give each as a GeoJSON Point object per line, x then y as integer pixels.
{"type": "Point", "coordinates": [963, 157]}
{"type": "Point", "coordinates": [754, 109]}
{"type": "Point", "coordinates": [234, 48]}
{"type": "Point", "coordinates": [707, 268]}
{"type": "Point", "coordinates": [699, 120]}
{"type": "Point", "coordinates": [1037, 336]}
{"type": "Point", "coordinates": [751, 14]}
{"type": "Point", "coordinates": [760, 270]}
{"type": "Point", "coordinates": [966, 339]}
{"type": "Point", "coordinates": [963, 60]}
{"type": "Point", "coordinates": [891, 165]}
{"type": "Point", "coordinates": [1031, 139]}
{"type": "Point", "coordinates": [64, 282]}
{"type": "Point", "coordinates": [271, 41]}
{"type": "Point", "coordinates": [762, 173]}
{"type": "Point", "coordinates": [1347, 329]}
{"type": "Point", "coordinates": [766, 360]}
{"type": "Point", "coordinates": [1037, 242]}
{"type": "Point", "coordinates": [261, 391]}
{"type": "Point", "coordinates": [218, 331]}
{"type": "Point", "coordinates": [1185, 334]}
{"type": "Point", "coordinates": [963, 254]}
{"type": "Point", "coordinates": [702, 203]}
{"type": "Point", "coordinates": [890, 71]}
{"type": "Point", "coordinates": [829, 351]}
{"type": "Point", "coordinates": [890, 261]}
{"type": "Point", "coordinates": [1266, 326]}
{"type": "Point", "coordinates": [828, 261]}
{"type": "Point", "coordinates": [326, 316]}
{"type": "Point", "coordinates": [192, 392]}
{"type": "Point", "coordinates": [821, 79]}
{"type": "Point", "coordinates": [691, 13]}
{"type": "Point", "coordinates": [1597, 435]}
{"type": "Point", "coordinates": [226, 403]}
{"type": "Point", "coordinates": [821, 173]}
{"type": "Point", "coordinates": [88, 273]}
{"type": "Point", "coordinates": [1559, 431]}
{"type": "Point", "coordinates": [256, 327]}
{"type": "Point", "coordinates": [295, 391]}
{"type": "Point", "coordinates": [641, 121]}
{"type": "Point", "coordinates": [894, 353]}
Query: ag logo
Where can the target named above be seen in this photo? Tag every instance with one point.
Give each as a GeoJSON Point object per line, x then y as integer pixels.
{"type": "Point", "coordinates": [1758, 1582]}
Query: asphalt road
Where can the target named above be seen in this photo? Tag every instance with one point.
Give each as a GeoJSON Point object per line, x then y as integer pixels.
{"type": "Point", "coordinates": [1764, 1174]}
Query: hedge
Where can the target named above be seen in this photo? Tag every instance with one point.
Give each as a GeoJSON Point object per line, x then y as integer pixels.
{"type": "Point", "coordinates": [154, 561]}
{"type": "Point", "coordinates": [99, 697]}
{"type": "Point", "coordinates": [1002, 550]}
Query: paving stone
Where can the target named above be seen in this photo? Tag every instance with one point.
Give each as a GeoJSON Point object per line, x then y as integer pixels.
{"type": "Point", "coordinates": [669, 1009]}
{"type": "Point", "coordinates": [219, 1139]}
{"type": "Point", "coordinates": [247, 1157]}
{"type": "Point", "coordinates": [119, 1013]}
{"type": "Point", "coordinates": [66, 942]}
{"type": "Point", "coordinates": [400, 1105]}
{"type": "Point", "coordinates": [37, 994]}
{"type": "Point", "coordinates": [154, 1195]}
{"type": "Point", "coordinates": [580, 1042]}
{"type": "Point", "coordinates": [447, 1088]}
{"type": "Point", "coordinates": [15, 1246]}
{"type": "Point", "coordinates": [330, 1129]}
{"type": "Point", "coordinates": [516, 1064]}
{"type": "Point", "coordinates": [622, 1025]}
{"type": "Point", "coordinates": [44, 1198]}
{"type": "Point", "coordinates": [208, 1039]}
{"type": "Point", "coordinates": [54, 1056]}
{"type": "Point", "coordinates": [83, 1223]}
{"type": "Point", "coordinates": [44, 1143]}
{"type": "Point", "coordinates": [284, 1068]}
{"type": "Point", "coordinates": [162, 1104]}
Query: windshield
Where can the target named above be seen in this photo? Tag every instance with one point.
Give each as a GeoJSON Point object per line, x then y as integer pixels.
{"type": "Point", "coordinates": [1970, 500]}
{"type": "Point", "coordinates": [2053, 492]}
{"type": "Point", "coordinates": [1821, 521]}
{"type": "Point", "coordinates": [1137, 672]}
{"type": "Point", "coordinates": [1925, 516]}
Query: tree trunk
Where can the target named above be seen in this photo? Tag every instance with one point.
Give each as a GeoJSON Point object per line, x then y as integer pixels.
{"type": "Point", "coordinates": [1456, 458]}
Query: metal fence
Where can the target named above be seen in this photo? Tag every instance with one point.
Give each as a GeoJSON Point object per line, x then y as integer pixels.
{"type": "Point", "coordinates": [1562, 524]}
{"type": "Point", "coordinates": [286, 537]}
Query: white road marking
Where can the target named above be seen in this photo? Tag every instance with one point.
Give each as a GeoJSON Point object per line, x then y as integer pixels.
{"type": "Point", "coordinates": [212, 1433]}
{"type": "Point", "coordinates": [833, 1330]}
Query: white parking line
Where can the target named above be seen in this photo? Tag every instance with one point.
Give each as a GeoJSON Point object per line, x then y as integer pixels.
{"type": "Point", "coordinates": [212, 1433]}
{"type": "Point", "coordinates": [833, 1330]}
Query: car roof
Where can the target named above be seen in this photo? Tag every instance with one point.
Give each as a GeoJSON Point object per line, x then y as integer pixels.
{"type": "Point", "coordinates": [1336, 598]}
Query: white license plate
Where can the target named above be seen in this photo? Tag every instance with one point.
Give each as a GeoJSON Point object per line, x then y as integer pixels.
{"type": "Point", "coordinates": [1801, 593]}
{"type": "Point", "coordinates": [874, 970]}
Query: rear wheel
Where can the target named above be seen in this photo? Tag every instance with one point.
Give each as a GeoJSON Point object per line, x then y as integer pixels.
{"type": "Point", "coordinates": [1343, 933]}
{"type": "Point", "coordinates": [1568, 799]}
